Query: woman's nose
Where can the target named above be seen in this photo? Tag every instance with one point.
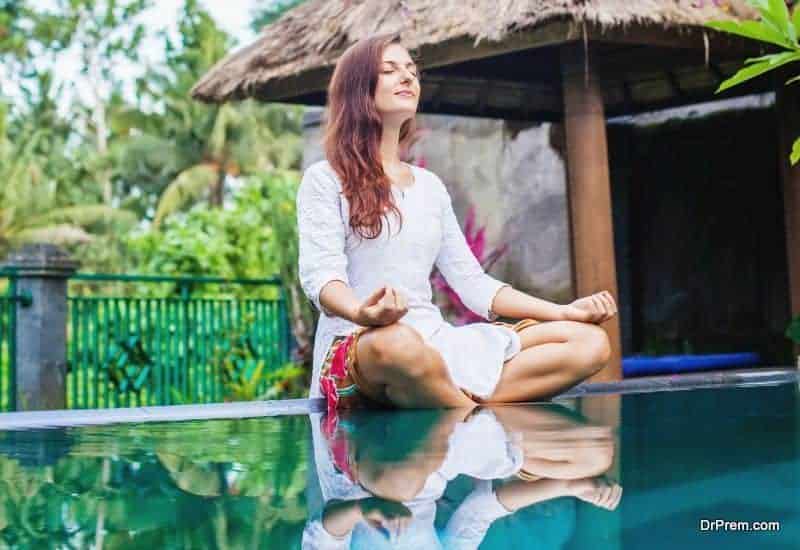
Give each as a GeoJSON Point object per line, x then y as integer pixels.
{"type": "Point", "coordinates": [407, 75]}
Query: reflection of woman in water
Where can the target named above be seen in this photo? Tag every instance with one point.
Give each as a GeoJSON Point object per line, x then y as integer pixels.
{"type": "Point", "coordinates": [380, 474]}
{"type": "Point", "coordinates": [371, 229]}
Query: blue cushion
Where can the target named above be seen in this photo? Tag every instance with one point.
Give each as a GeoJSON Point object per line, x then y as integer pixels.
{"type": "Point", "coordinates": [638, 365]}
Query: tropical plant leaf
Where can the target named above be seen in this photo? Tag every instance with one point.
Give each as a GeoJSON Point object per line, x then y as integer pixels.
{"type": "Point", "coordinates": [792, 80]}
{"type": "Point", "coordinates": [776, 14]}
{"type": "Point", "coordinates": [757, 68]}
{"type": "Point", "coordinates": [795, 155]}
{"type": "Point", "coordinates": [755, 30]}
{"type": "Point", "coordinates": [796, 20]}
{"type": "Point", "coordinates": [84, 215]}
{"type": "Point", "coordinates": [187, 187]}
{"type": "Point", "coordinates": [56, 234]}
{"type": "Point", "coordinates": [227, 118]}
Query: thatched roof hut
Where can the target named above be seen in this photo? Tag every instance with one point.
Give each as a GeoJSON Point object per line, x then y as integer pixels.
{"type": "Point", "coordinates": [576, 61]}
{"type": "Point", "coordinates": [659, 52]}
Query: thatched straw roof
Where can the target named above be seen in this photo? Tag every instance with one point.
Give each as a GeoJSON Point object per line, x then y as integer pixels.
{"type": "Point", "coordinates": [310, 37]}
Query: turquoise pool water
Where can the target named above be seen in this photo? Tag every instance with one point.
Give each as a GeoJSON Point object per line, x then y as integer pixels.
{"type": "Point", "coordinates": [613, 471]}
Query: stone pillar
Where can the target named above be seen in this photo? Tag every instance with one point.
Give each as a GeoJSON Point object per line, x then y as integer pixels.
{"type": "Point", "coordinates": [41, 338]}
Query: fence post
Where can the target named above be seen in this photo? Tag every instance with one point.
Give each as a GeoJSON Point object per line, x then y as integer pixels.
{"type": "Point", "coordinates": [41, 335]}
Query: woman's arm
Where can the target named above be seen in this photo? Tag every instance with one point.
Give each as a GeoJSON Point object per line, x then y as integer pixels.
{"type": "Point", "coordinates": [480, 292]}
{"type": "Point", "coordinates": [340, 300]}
{"type": "Point", "coordinates": [321, 232]}
{"type": "Point", "coordinates": [491, 298]}
{"type": "Point", "coordinates": [458, 264]}
{"type": "Point", "coordinates": [382, 307]}
{"type": "Point", "coordinates": [595, 308]}
{"type": "Point", "coordinates": [322, 261]}
{"type": "Point", "coordinates": [510, 302]}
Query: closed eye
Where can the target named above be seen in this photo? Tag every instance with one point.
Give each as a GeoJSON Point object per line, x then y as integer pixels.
{"type": "Point", "coordinates": [393, 66]}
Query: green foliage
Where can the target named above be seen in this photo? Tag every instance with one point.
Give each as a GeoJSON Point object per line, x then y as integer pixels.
{"type": "Point", "coordinates": [775, 26]}
{"type": "Point", "coordinates": [224, 484]}
{"type": "Point", "coordinates": [757, 66]}
{"type": "Point", "coordinates": [795, 154]}
{"type": "Point", "coordinates": [279, 213]}
{"type": "Point", "coordinates": [85, 174]}
{"type": "Point", "coordinates": [159, 183]}
{"type": "Point", "coordinates": [43, 196]}
{"type": "Point", "coordinates": [238, 241]}
{"type": "Point", "coordinates": [793, 331]}
{"type": "Point", "coordinates": [193, 151]}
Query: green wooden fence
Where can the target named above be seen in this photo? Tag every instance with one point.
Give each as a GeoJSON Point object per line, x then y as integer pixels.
{"type": "Point", "coordinates": [7, 332]}
{"type": "Point", "coordinates": [162, 348]}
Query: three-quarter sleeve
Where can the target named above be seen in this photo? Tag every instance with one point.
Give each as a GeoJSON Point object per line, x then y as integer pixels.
{"type": "Point", "coordinates": [321, 234]}
{"type": "Point", "coordinates": [460, 268]}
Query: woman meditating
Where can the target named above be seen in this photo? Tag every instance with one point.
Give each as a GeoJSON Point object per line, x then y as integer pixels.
{"type": "Point", "coordinates": [371, 229]}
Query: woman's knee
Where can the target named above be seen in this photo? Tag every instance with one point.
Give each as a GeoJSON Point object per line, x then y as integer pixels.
{"type": "Point", "coordinates": [398, 346]}
{"type": "Point", "coordinates": [597, 347]}
{"type": "Point", "coordinates": [592, 343]}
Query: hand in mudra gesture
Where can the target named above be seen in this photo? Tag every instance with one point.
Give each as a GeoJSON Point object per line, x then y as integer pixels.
{"type": "Point", "coordinates": [385, 306]}
{"type": "Point", "coordinates": [595, 308]}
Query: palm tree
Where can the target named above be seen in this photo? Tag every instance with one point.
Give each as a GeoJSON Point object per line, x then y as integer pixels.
{"type": "Point", "coordinates": [39, 201]}
{"type": "Point", "coordinates": [193, 150]}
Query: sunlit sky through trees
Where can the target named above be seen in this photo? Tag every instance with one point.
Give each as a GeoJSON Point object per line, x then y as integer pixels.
{"type": "Point", "coordinates": [233, 16]}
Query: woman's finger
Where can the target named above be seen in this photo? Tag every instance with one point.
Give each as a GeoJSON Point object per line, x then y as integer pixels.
{"type": "Point", "coordinates": [376, 296]}
{"type": "Point", "coordinates": [613, 303]}
{"type": "Point", "coordinates": [597, 310]}
{"type": "Point", "coordinates": [388, 298]}
{"type": "Point", "coordinates": [609, 299]}
{"type": "Point", "coordinates": [606, 305]}
{"type": "Point", "coordinates": [393, 298]}
{"type": "Point", "coordinates": [403, 302]}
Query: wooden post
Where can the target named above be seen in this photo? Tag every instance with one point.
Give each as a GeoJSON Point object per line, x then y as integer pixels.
{"type": "Point", "coordinates": [589, 192]}
{"type": "Point", "coordinates": [787, 109]}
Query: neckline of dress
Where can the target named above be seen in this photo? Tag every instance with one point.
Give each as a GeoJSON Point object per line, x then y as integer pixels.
{"type": "Point", "coordinates": [407, 188]}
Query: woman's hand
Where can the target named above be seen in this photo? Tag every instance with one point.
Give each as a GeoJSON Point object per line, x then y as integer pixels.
{"type": "Point", "coordinates": [388, 517]}
{"type": "Point", "coordinates": [599, 490]}
{"type": "Point", "coordinates": [385, 306]}
{"type": "Point", "coordinates": [595, 308]}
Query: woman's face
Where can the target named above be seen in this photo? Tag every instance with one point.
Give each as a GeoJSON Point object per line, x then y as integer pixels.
{"type": "Point", "coordinates": [397, 92]}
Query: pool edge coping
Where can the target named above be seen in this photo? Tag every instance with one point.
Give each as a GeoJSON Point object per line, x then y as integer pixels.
{"type": "Point", "coordinates": [742, 378]}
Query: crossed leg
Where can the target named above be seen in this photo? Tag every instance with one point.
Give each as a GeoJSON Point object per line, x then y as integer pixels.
{"type": "Point", "coordinates": [554, 357]}
{"type": "Point", "coordinates": [411, 373]}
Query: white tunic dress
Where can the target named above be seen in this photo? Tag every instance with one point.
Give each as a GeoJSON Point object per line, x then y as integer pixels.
{"type": "Point", "coordinates": [403, 258]}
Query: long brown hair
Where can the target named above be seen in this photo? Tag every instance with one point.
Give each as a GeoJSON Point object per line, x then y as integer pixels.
{"type": "Point", "coordinates": [353, 130]}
